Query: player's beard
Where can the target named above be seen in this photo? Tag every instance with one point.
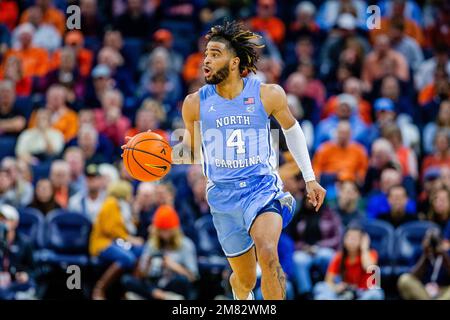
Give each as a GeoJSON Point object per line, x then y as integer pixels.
{"type": "Point", "coordinates": [219, 76]}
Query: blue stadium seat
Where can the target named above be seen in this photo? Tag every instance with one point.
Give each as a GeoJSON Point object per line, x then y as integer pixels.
{"type": "Point", "coordinates": [25, 105]}
{"type": "Point", "coordinates": [408, 244]}
{"type": "Point", "coordinates": [66, 239]}
{"type": "Point", "coordinates": [92, 43]}
{"type": "Point", "coordinates": [211, 257]}
{"type": "Point", "coordinates": [31, 224]}
{"type": "Point", "coordinates": [132, 51]}
{"type": "Point", "coordinates": [7, 146]}
{"type": "Point", "coordinates": [382, 240]}
{"type": "Point", "coordinates": [41, 170]}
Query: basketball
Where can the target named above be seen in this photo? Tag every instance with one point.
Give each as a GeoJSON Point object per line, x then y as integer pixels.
{"type": "Point", "coordinates": [147, 157]}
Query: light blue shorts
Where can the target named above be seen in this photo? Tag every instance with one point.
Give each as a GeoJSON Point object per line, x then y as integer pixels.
{"type": "Point", "coordinates": [235, 206]}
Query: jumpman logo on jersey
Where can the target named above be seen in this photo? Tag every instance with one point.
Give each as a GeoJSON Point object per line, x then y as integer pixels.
{"type": "Point", "coordinates": [211, 108]}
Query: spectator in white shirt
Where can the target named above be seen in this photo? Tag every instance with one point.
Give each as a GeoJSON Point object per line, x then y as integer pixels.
{"type": "Point", "coordinates": [90, 201]}
{"type": "Point", "coordinates": [425, 73]}
{"type": "Point", "coordinates": [41, 142]}
{"type": "Point", "coordinates": [45, 35]}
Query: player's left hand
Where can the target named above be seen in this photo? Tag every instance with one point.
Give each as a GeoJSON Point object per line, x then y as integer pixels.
{"type": "Point", "coordinates": [315, 194]}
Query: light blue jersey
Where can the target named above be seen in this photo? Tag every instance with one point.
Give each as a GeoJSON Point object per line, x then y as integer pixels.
{"type": "Point", "coordinates": [239, 162]}
{"type": "Point", "coordinates": [236, 140]}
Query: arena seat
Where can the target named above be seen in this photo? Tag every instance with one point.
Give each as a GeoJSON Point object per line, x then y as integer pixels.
{"type": "Point", "coordinates": [382, 240]}
{"type": "Point", "coordinates": [408, 244]}
{"type": "Point", "coordinates": [31, 223]}
{"type": "Point", "coordinates": [41, 170]}
{"type": "Point", "coordinates": [7, 146]}
{"type": "Point", "coordinates": [66, 239]}
{"type": "Point", "coordinates": [210, 253]}
{"type": "Point", "coordinates": [25, 105]}
{"type": "Point", "coordinates": [132, 51]}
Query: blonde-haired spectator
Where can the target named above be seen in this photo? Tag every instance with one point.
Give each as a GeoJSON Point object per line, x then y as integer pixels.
{"type": "Point", "coordinates": [169, 257]}
{"type": "Point", "coordinates": [112, 238]}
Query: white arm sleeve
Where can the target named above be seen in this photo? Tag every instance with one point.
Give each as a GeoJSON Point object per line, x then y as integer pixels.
{"type": "Point", "coordinates": [296, 143]}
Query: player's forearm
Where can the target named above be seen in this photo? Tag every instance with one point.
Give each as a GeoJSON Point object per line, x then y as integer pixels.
{"type": "Point", "coordinates": [296, 143]}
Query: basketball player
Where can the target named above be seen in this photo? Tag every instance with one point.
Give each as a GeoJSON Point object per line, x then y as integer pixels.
{"type": "Point", "coordinates": [244, 191]}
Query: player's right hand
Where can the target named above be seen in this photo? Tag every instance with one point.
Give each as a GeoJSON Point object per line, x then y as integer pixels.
{"type": "Point", "coordinates": [127, 139]}
{"type": "Point", "coordinates": [316, 194]}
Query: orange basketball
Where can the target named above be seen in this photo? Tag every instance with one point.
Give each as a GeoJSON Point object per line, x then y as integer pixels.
{"type": "Point", "coordinates": [147, 157]}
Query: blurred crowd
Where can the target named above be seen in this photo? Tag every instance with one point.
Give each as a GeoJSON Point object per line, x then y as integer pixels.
{"type": "Point", "coordinates": [373, 101]}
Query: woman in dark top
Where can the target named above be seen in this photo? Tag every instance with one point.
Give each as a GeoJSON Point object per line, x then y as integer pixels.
{"type": "Point", "coordinates": [317, 236]}
{"type": "Point", "coordinates": [44, 197]}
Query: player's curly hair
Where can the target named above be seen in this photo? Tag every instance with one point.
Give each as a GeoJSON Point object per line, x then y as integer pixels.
{"type": "Point", "coordinates": [242, 41]}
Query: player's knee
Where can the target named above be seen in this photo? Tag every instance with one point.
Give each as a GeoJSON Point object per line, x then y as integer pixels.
{"type": "Point", "coordinates": [246, 282]}
{"type": "Point", "coordinates": [267, 255]}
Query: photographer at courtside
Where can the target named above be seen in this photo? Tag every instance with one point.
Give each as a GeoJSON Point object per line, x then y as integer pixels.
{"type": "Point", "coordinates": [430, 277]}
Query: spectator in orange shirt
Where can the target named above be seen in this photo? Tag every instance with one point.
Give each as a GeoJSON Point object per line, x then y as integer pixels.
{"type": "Point", "coordinates": [437, 31]}
{"type": "Point", "coordinates": [342, 159]}
{"type": "Point", "coordinates": [383, 61]}
{"type": "Point", "coordinates": [14, 72]}
{"type": "Point", "coordinates": [429, 91]}
{"type": "Point", "coordinates": [34, 60]}
{"type": "Point", "coordinates": [9, 12]}
{"type": "Point", "coordinates": [348, 277]}
{"type": "Point", "coordinates": [267, 22]}
{"type": "Point", "coordinates": [63, 119]}
{"type": "Point", "coordinates": [75, 40]}
{"type": "Point", "coordinates": [441, 156]}
{"type": "Point", "coordinates": [352, 86]}
{"type": "Point", "coordinates": [51, 15]}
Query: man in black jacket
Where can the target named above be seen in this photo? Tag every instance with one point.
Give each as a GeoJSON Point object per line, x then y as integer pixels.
{"type": "Point", "coordinates": [16, 258]}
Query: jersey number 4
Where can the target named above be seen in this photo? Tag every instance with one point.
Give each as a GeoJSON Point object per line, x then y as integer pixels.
{"type": "Point", "coordinates": [235, 141]}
